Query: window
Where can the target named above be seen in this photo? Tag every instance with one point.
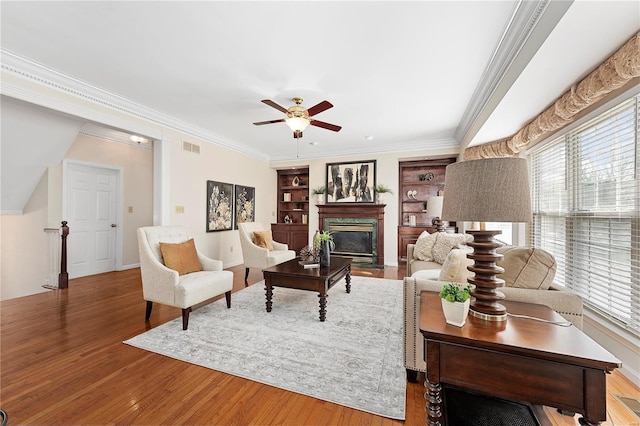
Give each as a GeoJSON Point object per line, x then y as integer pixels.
{"type": "Point", "coordinates": [586, 211]}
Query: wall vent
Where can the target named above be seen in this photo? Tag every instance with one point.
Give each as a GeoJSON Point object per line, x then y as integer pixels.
{"type": "Point", "coordinates": [190, 147]}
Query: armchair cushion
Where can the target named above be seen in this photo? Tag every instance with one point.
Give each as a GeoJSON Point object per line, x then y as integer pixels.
{"type": "Point", "coordinates": [181, 257]}
{"type": "Point", "coordinates": [263, 239]}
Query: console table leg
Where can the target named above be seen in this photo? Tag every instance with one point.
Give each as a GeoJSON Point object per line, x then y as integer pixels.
{"type": "Point", "coordinates": [323, 306]}
{"type": "Point", "coordinates": [269, 290]}
{"type": "Point", "coordinates": [433, 395]}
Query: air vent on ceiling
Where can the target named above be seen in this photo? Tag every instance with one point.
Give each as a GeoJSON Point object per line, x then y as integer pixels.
{"type": "Point", "coordinates": [191, 147]}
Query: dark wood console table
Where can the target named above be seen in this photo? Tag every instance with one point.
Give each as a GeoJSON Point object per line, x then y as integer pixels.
{"type": "Point", "coordinates": [519, 359]}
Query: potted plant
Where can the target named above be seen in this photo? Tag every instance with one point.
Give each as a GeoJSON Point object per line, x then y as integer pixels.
{"type": "Point", "coordinates": [381, 189]}
{"type": "Point", "coordinates": [455, 303]}
{"type": "Point", "coordinates": [319, 192]}
{"type": "Point", "coordinates": [323, 242]}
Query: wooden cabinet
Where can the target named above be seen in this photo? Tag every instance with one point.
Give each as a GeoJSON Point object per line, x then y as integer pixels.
{"type": "Point", "coordinates": [293, 208]}
{"type": "Point", "coordinates": [295, 235]}
{"type": "Point", "coordinates": [418, 180]}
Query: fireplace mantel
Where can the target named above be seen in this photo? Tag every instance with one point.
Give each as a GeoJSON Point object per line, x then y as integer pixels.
{"type": "Point", "coordinates": [357, 211]}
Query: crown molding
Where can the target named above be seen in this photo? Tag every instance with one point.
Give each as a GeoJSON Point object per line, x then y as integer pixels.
{"type": "Point", "coordinates": [530, 24]}
{"type": "Point", "coordinates": [426, 146]}
{"type": "Point", "coordinates": [42, 76]}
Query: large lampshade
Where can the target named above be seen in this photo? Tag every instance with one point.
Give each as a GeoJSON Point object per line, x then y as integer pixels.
{"type": "Point", "coordinates": [487, 190]}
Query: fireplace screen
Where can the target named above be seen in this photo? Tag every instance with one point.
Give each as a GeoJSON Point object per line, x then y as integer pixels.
{"type": "Point", "coordinates": [353, 240]}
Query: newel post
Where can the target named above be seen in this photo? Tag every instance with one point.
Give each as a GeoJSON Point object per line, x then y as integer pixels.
{"type": "Point", "coordinates": [63, 278]}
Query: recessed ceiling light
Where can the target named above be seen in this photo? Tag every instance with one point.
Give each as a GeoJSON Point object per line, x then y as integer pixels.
{"type": "Point", "coordinates": [368, 138]}
{"type": "Point", "coordinates": [313, 143]}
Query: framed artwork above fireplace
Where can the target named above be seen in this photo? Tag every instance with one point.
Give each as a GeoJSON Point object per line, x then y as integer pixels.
{"type": "Point", "coordinates": [351, 182]}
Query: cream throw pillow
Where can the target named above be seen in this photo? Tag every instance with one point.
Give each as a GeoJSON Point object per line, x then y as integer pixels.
{"type": "Point", "coordinates": [454, 269]}
{"type": "Point", "coordinates": [444, 244]}
{"type": "Point", "coordinates": [527, 267]}
{"type": "Point", "coordinates": [263, 239]}
{"type": "Point", "coordinates": [181, 257]}
{"type": "Point", "coordinates": [424, 246]}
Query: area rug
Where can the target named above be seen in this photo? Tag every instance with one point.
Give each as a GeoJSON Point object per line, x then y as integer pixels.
{"type": "Point", "coordinates": [354, 358]}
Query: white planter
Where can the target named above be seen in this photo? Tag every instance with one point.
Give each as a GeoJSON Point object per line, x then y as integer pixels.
{"type": "Point", "coordinates": [455, 312]}
{"type": "Point", "coordinates": [319, 198]}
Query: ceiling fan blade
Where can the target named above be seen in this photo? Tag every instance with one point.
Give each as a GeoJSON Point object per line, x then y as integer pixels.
{"type": "Point", "coordinates": [275, 105]}
{"type": "Point", "coordinates": [322, 106]}
{"type": "Point", "coordinates": [327, 126]}
{"type": "Point", "coordinates": [260, 123]}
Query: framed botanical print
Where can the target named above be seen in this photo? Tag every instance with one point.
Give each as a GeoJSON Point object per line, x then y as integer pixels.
{"type": "Point", "coordinates": [351, 182]}
{"type": "Point", "coordinates": [219, 206]}
{"type": "Point", "coordinates": [245, 200]}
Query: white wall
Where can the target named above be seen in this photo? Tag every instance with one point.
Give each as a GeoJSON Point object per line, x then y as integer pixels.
{"type": "Point", "coordinates": [24, 247]}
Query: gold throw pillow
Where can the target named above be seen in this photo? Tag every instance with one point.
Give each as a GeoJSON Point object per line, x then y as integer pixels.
{"type": "Point", "coordinates": [263, 239]}
{"type": "Point", "coordinates": [181, 257]}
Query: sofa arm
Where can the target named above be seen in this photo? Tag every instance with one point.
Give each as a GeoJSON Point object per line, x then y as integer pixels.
{"type": "Point", "coordinates": [413, 340]}
{"type": "Point", "coordinates": [566, 303]}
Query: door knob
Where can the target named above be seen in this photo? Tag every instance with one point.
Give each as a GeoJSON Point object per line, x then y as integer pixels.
{"type": "Point", "coordinates": [113, 225]}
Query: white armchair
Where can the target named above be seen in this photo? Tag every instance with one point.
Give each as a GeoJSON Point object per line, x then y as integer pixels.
{"type": "Point", "coordinates": [163, 285]}
{"type": "Point", "coordinates": [259, 257]}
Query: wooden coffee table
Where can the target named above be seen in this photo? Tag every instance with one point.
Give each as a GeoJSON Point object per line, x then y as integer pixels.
{"type": "Point", "coordinates": [520, 359]}
{"type": "Point", "coordinates": [291, 274]}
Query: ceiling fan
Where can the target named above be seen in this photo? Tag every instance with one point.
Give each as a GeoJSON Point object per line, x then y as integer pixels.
{"type": "Point", "coordinates": [299, 117]}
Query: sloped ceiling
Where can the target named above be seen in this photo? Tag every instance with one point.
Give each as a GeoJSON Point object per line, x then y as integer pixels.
{"type": "Point", "coordinates": [33, 138]}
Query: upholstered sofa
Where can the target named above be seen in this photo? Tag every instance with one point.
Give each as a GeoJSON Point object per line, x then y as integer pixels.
{"type": "Point", "coordinates": [528, 276]}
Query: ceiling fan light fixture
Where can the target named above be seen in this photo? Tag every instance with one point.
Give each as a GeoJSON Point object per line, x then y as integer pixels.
{"type": "Point", "coordinates": [297, 123]}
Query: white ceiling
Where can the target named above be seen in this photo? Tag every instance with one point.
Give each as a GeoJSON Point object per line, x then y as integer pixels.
{"type": "Point", "coordinates": [417, 75]}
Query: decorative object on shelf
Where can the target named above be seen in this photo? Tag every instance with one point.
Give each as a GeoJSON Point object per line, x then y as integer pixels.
{"type": "Point", "coordinates": [487, 190]}
{"type": "Point", "coordinates": [381, 189]}
{"type": "Point", "coordinates": [323, 241]}
{"type": "Point", "coordinates": [245, 204]}
{"type": "Point", "coordinates": [219, 206]}
{"type": "Point", "coordinates": [295, 181]}
{"type": "Point", "coordinates": [434, 209]}
{"type": "Point", "coordinates": [287, 219]}
{"type": "Point", "coordinates": [455, 303]}
{"type": "Point", "coordinates": [319, 193]}
{"type": "Point", "coordinates": [305, 218]}
{"type": "Point", "coordinates": [412, 220]}
{"type": "Point", "coordinates": [351, 182]}
{"type": "Point", "coordinates": [287, 196]}
{"type": "Point", "coordinates": [425, 176]}
{"type": "Point", "coordinates": [413, 194]}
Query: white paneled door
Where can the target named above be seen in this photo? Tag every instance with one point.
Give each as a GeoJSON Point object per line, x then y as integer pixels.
{"type": "Point", "coordinates": [91, 210]}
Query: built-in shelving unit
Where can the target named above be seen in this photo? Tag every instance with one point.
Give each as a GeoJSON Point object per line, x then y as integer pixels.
{"type": "Point", "coordinates": [293, 208]}
{"type": "Point", "coordinates": [418, 180]}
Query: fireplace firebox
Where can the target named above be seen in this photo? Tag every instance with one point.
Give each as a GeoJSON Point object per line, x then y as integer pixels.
{"type": "Point", "coordinates": [358, 232]}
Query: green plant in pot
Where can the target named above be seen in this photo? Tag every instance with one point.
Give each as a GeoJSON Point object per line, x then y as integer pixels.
{"type": "Point", "coordinates": [381, 189]}
{"type": "Point", "coordinates": [455, 303]}
{"type": "Point", "coordinates": [323, 242]}
{"type": "Point", "coordinates": [319, 192]}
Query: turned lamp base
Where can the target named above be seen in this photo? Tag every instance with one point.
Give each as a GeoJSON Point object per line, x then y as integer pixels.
{"type": "Point", "coordinates": [485, 304]}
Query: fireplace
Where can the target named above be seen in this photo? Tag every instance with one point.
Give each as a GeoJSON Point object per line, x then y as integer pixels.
{"type": "Point", "coordinates": [358, 231]}
{"type": "Point", "coordinates": [353, 238]}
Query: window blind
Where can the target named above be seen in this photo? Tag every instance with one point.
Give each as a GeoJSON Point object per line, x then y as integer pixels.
{"type": "Point", "coordinates": [586, 211]}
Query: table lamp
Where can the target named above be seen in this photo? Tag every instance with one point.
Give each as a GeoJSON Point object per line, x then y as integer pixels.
{"type": "Point", "coordinates": [434, 210]}
{"type": "Point", "coordinates": [487, 190]}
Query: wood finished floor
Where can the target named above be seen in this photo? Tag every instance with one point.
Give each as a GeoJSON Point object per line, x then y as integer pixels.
{"type": "Point", "coordinates": [63, 362]}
